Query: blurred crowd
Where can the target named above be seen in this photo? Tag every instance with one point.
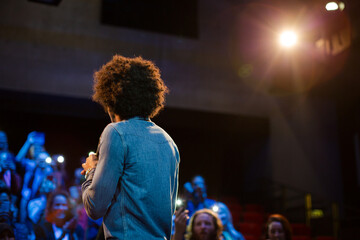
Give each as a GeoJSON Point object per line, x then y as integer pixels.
{"type": "Point", "coordinates": [35, 202]}
{"type": "Point", "coordinates": [199, 217]}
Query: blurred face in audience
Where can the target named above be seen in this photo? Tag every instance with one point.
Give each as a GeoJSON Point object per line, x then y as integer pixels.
{"type": "Point", "coordinates": [204, 227]}
{"type": "Point", "coordinates": [223, 215]}
{"type": "Point", "coordinates": [35, 150]}
{"type": "Point", "coordinates": [199, 187]}
{"type": "Point", "coordinates": [41, 159]}
{"type": "Point", "coordinates": [60, 207]}
{"type": "Point", "coordinates": [6, 161]}
{"type": "Point", "coordinates": [198, 182]}
{"type": "Point", "coordinates": [276, 231]}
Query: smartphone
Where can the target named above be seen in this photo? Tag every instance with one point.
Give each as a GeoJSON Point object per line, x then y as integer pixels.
{"type": "Point", "coordinates": [180, 205]}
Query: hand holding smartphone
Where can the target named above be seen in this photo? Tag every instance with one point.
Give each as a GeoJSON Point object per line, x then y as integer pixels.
{"type": "Point", "coordinates": [181, 218]}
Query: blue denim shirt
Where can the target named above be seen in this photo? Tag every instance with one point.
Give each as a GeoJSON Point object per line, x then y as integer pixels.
{"type": "Point", "coordinates": [134, 186]}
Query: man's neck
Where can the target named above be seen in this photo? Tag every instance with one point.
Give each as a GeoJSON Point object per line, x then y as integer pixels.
{"type": "Point", "coordinates": [117, 118]}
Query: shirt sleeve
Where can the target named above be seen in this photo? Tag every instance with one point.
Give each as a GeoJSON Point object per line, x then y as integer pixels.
{"type": "Point", "coordinates": [100, 186]}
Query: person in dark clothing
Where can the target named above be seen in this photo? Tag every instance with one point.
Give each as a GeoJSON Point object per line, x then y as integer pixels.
{"type": "Point", "coordinates": [59, 223]}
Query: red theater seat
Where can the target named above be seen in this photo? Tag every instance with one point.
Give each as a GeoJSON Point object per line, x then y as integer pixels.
{"type": "Point", "coordinates": [300, 229]}
{"type": "Point", "coordinates": [250, 229]}
{"type": "Point", "coordinates": [235, 209]}
{"type": "Point", "coordinates": [235, 217]}
{"type": "Point", "coordinates": [250, 237]}
{"type": "Point", "coordinates": [254, 217]}
{"type": "Point", "coordinates": [254, 208]}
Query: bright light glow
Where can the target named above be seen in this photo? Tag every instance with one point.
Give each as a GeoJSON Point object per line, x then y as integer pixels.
{"type": "Point", "coordinates": [341, 6]}
{"type": "Point", "coordinates": [60, 159]}
{"type": "Point", "coordinates": [215, 208]}
{"type": "Point", "coordinates": [179, 202]}
{"type": "Point", "coordinates": [288, 39]}
{"type": "Point", "coordinates": [91, 153]}
{"type": "Point", "coordinates": [332, 6]}
{"type": "Point", "coordinates": [48, 160]}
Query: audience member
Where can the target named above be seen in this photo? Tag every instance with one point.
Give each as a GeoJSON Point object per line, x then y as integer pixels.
{"type": "Point", "coordinates": [204, 225]}
{"type": "Point", "coordinates": [28, 156]}
{"type": "Point", "coordinates": [33, 145]}
{"type": "Point", "coordinates": [20, 230]}
{"type": "Point", "coordinates": [196, 195]}
{"type": "Point", "coordinates": [4, 204]}
{"type": "Point", "coordinates": [11, 179]}
{"type": "Point", "coordinates": [36, 173]}
{"type": "Point", "coordinates": [89, 226]}
{"type": "Point", "coordinates": [36, 206]}
{"type": "Point", "coordinates": [59, 222]}
{"type": "Point", "coordinates": [8, 173]}
{"type": "Point", "coordinates": [278, 228]}
{"type": "Point", "coordinates": [58, 164]}
{"type": "Point", "coordinates": [75, 198]}
{"type": "Point", "coordinates": [180, 221]}
{"type": "Point", "coordinates": [229, 232]}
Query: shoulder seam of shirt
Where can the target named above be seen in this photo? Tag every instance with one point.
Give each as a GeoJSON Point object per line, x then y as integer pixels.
{"type": "Point", "coordinates": [122, 139]}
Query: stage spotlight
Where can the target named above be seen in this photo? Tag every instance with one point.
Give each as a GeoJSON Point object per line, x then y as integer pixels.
{"type": "Point", "coordinates": [288, 39]}
{"type": "Point", "coordinates": [333, 6]}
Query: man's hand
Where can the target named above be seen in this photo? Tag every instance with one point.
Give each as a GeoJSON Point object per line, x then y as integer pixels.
{"type": "Point", "coordinates": [90, 163]}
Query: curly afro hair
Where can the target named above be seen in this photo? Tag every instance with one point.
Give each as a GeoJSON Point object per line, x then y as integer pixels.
{"type": "Point", "coordinates": [130, 87]}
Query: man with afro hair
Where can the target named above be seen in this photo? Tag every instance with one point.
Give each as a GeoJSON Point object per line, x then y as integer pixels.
{"type": "Point", "coordinates": [132, 180]}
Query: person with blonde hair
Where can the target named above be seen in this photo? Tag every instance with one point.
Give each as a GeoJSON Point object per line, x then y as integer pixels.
{"type": "Point", "coordinates": [204, 225]}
